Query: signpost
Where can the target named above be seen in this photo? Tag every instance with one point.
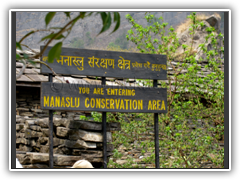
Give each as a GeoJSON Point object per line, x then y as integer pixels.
{"type": "Point", "coordinates": [102, 98]}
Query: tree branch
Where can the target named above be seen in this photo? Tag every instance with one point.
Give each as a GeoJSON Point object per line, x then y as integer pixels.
{"type": "Point", "coordinates": [29, 48]}
{"type": "Point", "coordinates": [22, 70]}
{"type": "Point", "coordinates": [57, 34]}
{"type": "Point", "coordinates": [41, 62]}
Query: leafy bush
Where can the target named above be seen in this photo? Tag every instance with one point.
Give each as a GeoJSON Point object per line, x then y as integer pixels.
{"type": "Point", "coordinates": [193, 127]}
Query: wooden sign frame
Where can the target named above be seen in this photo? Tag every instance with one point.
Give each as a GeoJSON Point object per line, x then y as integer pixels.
{"type": "Point", "coordinates": [105, 64]}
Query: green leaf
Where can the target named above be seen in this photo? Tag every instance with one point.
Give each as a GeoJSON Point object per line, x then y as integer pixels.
{"type": "Point", "coordinates": [49, 17]}
{"type": "Point", "coordinates": [50, 36]}
{"type": "Point", "coordinates": [117, 20]}
{"type": "Point", "coordinates": [177, 134]}
{"type": "Point", "coordinates": [68, 14]}
{"type": "Point", "coordinates": [18, 56]}
{"type": "Point", "coordinates": [106, 19]}
{"type": "Point", "coordinates": [55, 52]}
{"type": "Point", "coordinates": [82, 15]}
{"type": "Point", "coordinates": [47, 37]}
{"type": "Point", "coordinates": [60, 37]}
{"type": "Point", "coordinates": [18, 46]}
{"type": "Point", "coordinates": [25, 56]}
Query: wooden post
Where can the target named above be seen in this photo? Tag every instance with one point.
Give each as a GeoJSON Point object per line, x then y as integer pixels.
{"type": "Point", "coordinates": [156, 133]}
{"type": "Point", "coordinates": [50, 131]}
{"type": "Point", "coordinates": [104, 132]}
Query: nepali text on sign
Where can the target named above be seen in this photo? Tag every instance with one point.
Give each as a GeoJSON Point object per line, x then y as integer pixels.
{"type": "Point", "coordinates": [107, 64]}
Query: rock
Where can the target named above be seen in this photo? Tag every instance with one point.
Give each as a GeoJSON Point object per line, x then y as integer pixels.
{"type": "Point", "coordinates": [29, 123]}
{"type": "Point", "coordinates": [25, 148]}
{"type": "Point", "coordinates": [88, 136]}
{"type": "Point", "coordinates": [22, 109]}
{"type": "Point", "coordinates": [31, 134]}
{"type": "Point", "coordinates": [57, 116]}
{"type": "Point", "coordinates": [59, 121]}
{"type": "Point", "coordinates": [37, 110]}
{"type": "Point", "coordinates": [23, 141]}
{"type": "Point", "coordinates": [41, 115]}
{"type": "Point", "coordinates": [26, 114]}
{"type": "Point", "coordinates": [43, 140]}
{"type": "Point", "coordinates": [62, 132]}
{"type": "Point", "coordinates": [70, 114]}
{"type": "Point", "coordinates": [122, 148]}
{"type": "Point", "coordinates": [62, 150]}
{"type": "Point", "coordinates": [56, 142]}
{"type": "Point", "coordinates": [36, 166]}
{"type": "Point", "coordinates": [44, 149]}
{"type": "Point", "coordinates": [196, 37]}
{"type": "Point", "coordinates": [21, 135]}
{"type": "Point", "coordinates": [33, 143]}
{"type": "Point", "coordinates": [59, 160]}
{"type": "Point", "coordinates": [65, 160]}
{"type": "Point", "coordinates": [79, 144]}
{"type": "Point", "coordinates": [45, 132]}
{"type": "Point", "coordinates": [35, 128]}
{"type": "Point", "coordinates": [110, 147]}
{"type": "Point", "coordinates": [22, 104]}
{"type": "Point", "coordinates": [97, 126]}
{"type": "Point", "coordinates": [42, 122]}
{"type": "Point", "coordinates": [214, 21]}
{"type": "Point", "coordinates": [22, 120]}
{"type": "Point", "coordinates": [19, 126]}
{"type": "Point", "coordinates": [119, 161]}
{"type": "Point", "coordinates": [184, 38]}
{"type": "Point", "coordinates": [23, 130]}
{"type": "Point", "coordinates": [23, 159]}
{"type": "Point", "coordinates": [38, 157]}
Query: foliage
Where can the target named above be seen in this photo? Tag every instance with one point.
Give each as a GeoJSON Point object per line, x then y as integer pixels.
{"type": "Point", "coordinates": [112, 45]}
{"type": "Point", "coordinates": [59, 34]}
{"type": "Point", "coordinates": [193, 127]}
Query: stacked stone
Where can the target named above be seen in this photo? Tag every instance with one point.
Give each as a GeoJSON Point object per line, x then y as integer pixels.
{"type": "Point", "coordinates": [72, 140]}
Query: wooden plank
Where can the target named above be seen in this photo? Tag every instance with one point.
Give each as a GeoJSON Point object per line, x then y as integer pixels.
{"type": "Point", "coordinates": [72, 80]}
{"type": "Point", "coordinates": [78, 97]}
{"type": "Point", "coordinates": [24, 78]}
{"type": "Point", "coordinates": [18, 64]}
{"type": "Point", "coordinates": [37, 77]}
{"type": "Point", "coordinates": [27, 71]}
{"type": "Point", "coordinates": [107, 64]}
{"type": "Point", "coordinates": [28, 85]}
{"type": "Point", "coordinates": [94, 82]}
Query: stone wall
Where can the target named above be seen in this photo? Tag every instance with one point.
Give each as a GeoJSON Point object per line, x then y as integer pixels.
{"type": "Point", "coordinates": [73, 139]}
